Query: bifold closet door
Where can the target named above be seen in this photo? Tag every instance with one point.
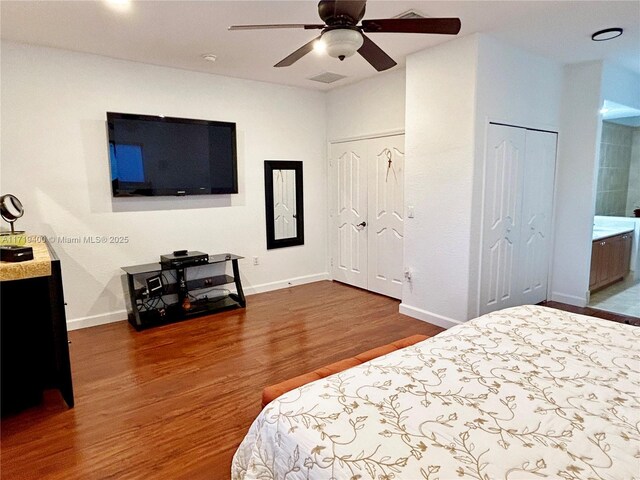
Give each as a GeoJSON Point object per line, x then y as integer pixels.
{"type": "Point", "coordinates": [504, 165]}
{"type": "Point", "coordinates": [537, 207]}
{"type": "Point", "coordinates": [516, 223]}
{"type": "Point", "coordinates": [367, 213]}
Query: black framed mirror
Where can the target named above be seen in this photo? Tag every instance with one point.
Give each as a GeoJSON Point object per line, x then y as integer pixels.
{"type": "Point", "coordinates": [284, 203]}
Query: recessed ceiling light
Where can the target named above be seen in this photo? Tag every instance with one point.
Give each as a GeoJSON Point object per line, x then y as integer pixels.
{"type": "Point", "coordinates": [120, 5]}
{"type": "Point", "coordinates": [209, 57]}
{"type": "Point", "coordinates": [606, 34]}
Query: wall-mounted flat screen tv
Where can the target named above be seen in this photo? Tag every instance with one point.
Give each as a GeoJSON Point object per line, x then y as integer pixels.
{"type": "Point", "coordinates": [153, 155]}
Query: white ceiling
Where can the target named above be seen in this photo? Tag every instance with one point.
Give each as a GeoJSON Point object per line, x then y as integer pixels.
{"type": "Point", "coordinates": [177, 33]}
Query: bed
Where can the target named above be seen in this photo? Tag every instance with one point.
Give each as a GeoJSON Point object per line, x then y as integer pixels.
{"type": "Point", "coordinates": [524, 393]}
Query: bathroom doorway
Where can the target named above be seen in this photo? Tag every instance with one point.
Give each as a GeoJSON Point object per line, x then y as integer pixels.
{"type": "Point", "coordinates": [614, 282]}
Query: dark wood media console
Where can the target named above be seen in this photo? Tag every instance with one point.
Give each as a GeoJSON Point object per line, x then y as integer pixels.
{"type": "Point", "coordinates": [183, 298]}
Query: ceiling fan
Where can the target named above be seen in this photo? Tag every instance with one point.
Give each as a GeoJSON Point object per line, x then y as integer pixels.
{"type": "Point", "coordinates": [342, 36]}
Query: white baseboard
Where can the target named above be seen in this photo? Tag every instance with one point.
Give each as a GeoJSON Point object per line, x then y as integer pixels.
{"type": "Point", "coordinates": [569, 299]}
{"type": "Point", "coordinates": [94, 320]}
{"type": "Point", "coordinates": [120, 315]}
{"type": "Point", "coordinates": [291, 282]}
{"type": "Point", "coordinates": [429, 317]}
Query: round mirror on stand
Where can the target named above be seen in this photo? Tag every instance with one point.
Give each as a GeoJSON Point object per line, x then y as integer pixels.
{"type": "Point", "coordinates": [11, 209]}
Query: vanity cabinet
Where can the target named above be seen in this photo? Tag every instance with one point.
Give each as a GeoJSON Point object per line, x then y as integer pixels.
{"type": "Point", "coordinates": [610, 260]}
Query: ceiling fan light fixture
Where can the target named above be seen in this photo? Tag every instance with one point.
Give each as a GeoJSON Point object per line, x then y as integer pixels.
{"type": "Point", "coordinates": [342, 42]}
{"type": "Point", "coordinates": [119, 5]}
{"type": "Point", "coordinates": [606, 34]}
{"type": "Point", "coordinates": [319, 46]}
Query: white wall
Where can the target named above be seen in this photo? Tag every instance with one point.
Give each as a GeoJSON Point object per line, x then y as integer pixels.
{"type": "Point", "coordinates": [576, 182]}
{"type": "Point", "coordinates": [517, 88]}
{"type": "Point", "coordinates": [585, 87]}
{"type": "Point", "coordinates": [453, 91]}
{"type": "Point", "coordinates": [620, 85]}
{"type": "Point", "coordinates": [372, 106]}
{"type": "Point", "coordinates": [439, 142]}
{"type": "Point", "coordinates": [54, 158]}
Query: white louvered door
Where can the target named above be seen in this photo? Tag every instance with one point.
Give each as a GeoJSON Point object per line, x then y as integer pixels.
{"type": "Point", "coordinates": [518, 198]}
{"type": "Point", "coordinates": [367, 213]}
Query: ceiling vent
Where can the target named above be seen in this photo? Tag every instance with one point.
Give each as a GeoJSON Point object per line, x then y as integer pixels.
{"type": "Point", "coordinates": [327, 77]}
{"type": "Point", "coordinates": [411, 14]}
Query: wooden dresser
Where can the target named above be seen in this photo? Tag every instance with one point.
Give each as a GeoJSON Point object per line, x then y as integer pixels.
{"type": "Point", "coordinates": [34, 350]}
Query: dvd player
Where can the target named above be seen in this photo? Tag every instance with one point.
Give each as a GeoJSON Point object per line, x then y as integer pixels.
{"type": "Point", "coordinates": [183, 258]}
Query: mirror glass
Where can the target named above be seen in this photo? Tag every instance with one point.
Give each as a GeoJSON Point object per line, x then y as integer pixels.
{"type": "Point", "coordinates": [284, 203]}
{"type": "Point", "coordinates": [618, 183]}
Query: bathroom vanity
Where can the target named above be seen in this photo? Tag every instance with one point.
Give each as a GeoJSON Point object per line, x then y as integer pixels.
{"type": "Point", "coordinates": [610, 256]}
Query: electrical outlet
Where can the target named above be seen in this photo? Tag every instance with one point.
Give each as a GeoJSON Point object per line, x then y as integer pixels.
{"type": "Point", "coordinates": [256, 261]}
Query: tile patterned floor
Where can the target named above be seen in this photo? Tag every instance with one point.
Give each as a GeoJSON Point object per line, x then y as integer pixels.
{"type": "Point", "coordinates": [622, 297]}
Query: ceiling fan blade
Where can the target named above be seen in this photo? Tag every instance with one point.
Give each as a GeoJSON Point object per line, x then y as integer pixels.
{"type": "Point", "coordinates": [334, 11]}
{"type": "Point", "coordinates": [277, 25]}
{"type": "Point", "coordinates": [373, 54]}
{"type": "Point", "coordinates": [443, 26]}
{"type": "Point", "coordinates": [297, 55]}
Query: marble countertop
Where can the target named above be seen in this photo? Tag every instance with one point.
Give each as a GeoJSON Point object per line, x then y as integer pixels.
{"type": "Point", "coordinates": [603, 232]}
{"type": "Point", "coordinates": [40, 266]}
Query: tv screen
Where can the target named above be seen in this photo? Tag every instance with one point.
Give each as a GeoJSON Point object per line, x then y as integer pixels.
{"type": "Point", "coordinates": [171, 156]}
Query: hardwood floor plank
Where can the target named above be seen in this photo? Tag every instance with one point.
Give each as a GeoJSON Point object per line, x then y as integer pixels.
{"type": "Point", "coordinates": [594, 312]}
{"type": "Point", "coordinates": [175, 401]}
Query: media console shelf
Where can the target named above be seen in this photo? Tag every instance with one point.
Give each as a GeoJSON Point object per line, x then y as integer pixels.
{"type": "Point", "coordinates": [181, 298]}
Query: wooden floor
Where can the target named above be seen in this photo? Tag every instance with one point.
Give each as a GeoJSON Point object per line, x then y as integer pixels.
{"type": "Point", "coordinates": [594, 312]}
{"type": "Point", "coordinates": [174, 402]}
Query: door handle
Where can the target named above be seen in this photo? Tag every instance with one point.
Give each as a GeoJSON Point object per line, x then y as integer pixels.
{"type": "Point", "coordinates": [362, 224]}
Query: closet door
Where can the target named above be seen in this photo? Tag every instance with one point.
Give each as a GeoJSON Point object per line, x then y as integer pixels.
{"type": "Point", "coordinates": [518, 201]}
{"type": "Point", "coordinates": [386, 215]}
{"type": "Point", "coordinates": [537, 204]}
{"type": "Point", "coordinates": [503, 182]}
{"type": "Point", "coordinates": [367, 213]}
{"type": "Point", "coordinates": [349, 212]}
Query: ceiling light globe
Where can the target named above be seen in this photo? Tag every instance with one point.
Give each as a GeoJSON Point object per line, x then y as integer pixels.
{"type": "Point", "coordinates": [319, 46]}
{"type": "Point", "coordinates": [342, 43]}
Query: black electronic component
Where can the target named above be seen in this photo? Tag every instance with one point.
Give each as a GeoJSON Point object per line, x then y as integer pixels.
{"type": "Point", "coordinates": [15, 253]}
{"type": "Point", "coordinates": [187, 259]}
{"type": "Point", "coordinates": [155, 286]}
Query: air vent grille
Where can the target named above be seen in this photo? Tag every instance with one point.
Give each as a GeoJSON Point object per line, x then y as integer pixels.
{"type": "Point", "coordinates": [411, 14]}
{"type": "Point", "coordinates": [327, 77]}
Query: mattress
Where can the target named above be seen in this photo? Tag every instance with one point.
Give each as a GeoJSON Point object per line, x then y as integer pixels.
{"type": "Point", "coordinates": [524, 393]}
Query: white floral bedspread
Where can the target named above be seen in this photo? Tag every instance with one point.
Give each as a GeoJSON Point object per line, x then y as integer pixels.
{"type": "Point", "coordinates": [524, 393]}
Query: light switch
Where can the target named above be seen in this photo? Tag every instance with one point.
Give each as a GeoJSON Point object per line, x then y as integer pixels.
{"type": "Point", "coordinates": [410, 211]}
